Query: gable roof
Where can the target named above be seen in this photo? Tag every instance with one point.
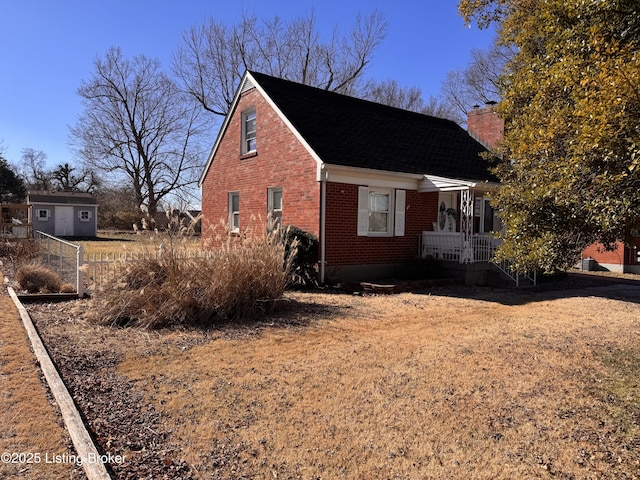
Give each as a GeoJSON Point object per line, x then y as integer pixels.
{"type": "Point", "coordinates": [352, 132]}
{"type": "Point", "coordinates": [67, 198]}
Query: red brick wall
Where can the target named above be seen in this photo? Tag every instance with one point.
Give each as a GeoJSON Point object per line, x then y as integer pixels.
{"type": "Point", "coordinates": [484, 125]}
{"type": "Point", "coordinates": [602, 256]}
{"type": "Point", "coordinates": [281, 161]}
{"type": "Point", "coordinates": [345, 247]}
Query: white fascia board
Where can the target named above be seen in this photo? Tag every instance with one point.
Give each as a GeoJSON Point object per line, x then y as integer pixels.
{"type": "Point", "coordinates": [249, 81]}
{"type": "Point", "coordinates": [54, 204]}
{"type": "Point", "coordinates": [245, 78]}
{"type": "Point", "coordinates": [371, 177]}
{"type": "Point", "coordinates": [223, 128]}
{"type": "Point", "coordinates": [434, 183]}
{"type": "Point", "coordinates": [292, 129]}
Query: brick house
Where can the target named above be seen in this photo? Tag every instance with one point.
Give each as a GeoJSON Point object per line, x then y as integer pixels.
{"type": "Point", "coordinates": [484, 125]}
{"type": "Point", "coordinates": [377, 185]}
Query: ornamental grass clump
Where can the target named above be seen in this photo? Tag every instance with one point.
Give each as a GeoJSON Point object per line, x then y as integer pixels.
{"type": "Point", "coordinates": [35, 278]}
{"type": "Point", "coordinates": [174, 288]}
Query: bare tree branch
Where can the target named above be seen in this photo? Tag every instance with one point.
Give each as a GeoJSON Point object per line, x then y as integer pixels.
{"type": "Point", "coordinates": [139, 126]}
{"type": "Point", "coordinates": [211, 58]}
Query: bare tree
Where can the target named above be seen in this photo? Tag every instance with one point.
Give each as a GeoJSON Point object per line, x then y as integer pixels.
{"type": "Point", "coordinates": [212, 57]}
{"type": "Point", "coordinates": [407, 98]}
{"type": "Point", "coordinates": [33, 170]}
{"type": "Point", "coordinates": [482, 80]}
{"type": "Point", "coordinates": [138, 126]}
{"type": "Point", "coordinates": [65, 180]}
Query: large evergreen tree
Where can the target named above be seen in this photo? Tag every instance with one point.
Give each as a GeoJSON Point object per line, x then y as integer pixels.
{"type": "Point", "coordinates": [571, 105]}
{"type": "Point", "coordinates": [12, 187]}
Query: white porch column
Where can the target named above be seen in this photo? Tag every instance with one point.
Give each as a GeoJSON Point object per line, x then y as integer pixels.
{"type": "Point", "coordinates": [466, 225]}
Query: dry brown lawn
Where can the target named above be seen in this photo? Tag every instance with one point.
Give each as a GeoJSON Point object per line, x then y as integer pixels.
{"type": "Point", "coordinates": [112, 242]}
{"type": "Point", "coordinates": [470, 383]}
{"type": "Point", "coordinates": [30, 424]}
{"type": "Point", "coordinates": [453, 383]}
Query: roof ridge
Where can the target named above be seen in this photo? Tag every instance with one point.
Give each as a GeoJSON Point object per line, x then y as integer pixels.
{"type": "Point", "coordinates": [352, 97]}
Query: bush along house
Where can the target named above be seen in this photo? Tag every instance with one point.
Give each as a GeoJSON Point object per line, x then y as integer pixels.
{"type": "Point", "coordinates": [379, 186]}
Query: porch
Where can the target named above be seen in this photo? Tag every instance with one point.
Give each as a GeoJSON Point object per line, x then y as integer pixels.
{"type": "Point", "coordinates": [14, 221]}
{"type": "Point", "coordinates": [452, 246]}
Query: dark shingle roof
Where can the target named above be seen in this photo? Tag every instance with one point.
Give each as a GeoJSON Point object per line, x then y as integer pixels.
{"type": "Point", "coordinates": [352, 132]}
{"type": "Point", "coordinates": [71, 198]}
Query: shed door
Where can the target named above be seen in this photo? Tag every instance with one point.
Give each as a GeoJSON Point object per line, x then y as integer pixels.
{"type": "Point", "coordinates": [63, 219]}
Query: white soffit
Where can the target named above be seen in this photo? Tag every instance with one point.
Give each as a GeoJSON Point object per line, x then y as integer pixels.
{"type": "Point", "coordinates": [433, 183]}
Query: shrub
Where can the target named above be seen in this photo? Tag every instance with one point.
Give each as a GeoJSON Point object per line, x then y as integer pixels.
{"type": "Point", "coordinates": [231, 283]}
{"type": "Point", "coordinates": [36, 278]}
{"type": "Point", "coordinates": [304, 246]}
{"type": "Point", "coordinates": [19, 251]}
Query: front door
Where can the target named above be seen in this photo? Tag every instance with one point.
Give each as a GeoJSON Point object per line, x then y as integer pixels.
{"type": "Point", "coordinates": [63, 221]}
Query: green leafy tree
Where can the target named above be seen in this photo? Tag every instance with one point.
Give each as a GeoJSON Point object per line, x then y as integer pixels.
{"type": "Point", "coordinates": [12, 188]}
{"type": "Point", "coordinates": [571, 104]}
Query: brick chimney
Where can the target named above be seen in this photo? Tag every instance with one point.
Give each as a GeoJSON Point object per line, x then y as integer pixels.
{"type": "Point", "coordinates": [485, 126]}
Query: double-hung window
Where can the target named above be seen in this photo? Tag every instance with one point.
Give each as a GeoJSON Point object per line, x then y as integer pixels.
{"type": "Point", "coordinates": [379, 202]}
{"type": "Point", "coordinates": [234, 212]}
{"type": "Point", "coordinates": [275, 207]}
{"type": "Point", "coordinates": [248, 131]}
{"type": "Point", "coordinates": [381, 212]}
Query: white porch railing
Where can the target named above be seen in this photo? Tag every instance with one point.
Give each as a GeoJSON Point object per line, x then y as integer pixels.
{"type": "Point", "coordinates": [451, 246]}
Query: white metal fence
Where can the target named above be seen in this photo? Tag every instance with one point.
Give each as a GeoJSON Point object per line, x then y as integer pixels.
{"type": "Point", "coordinates": [101, 268]}
{"type": "Point", "coordinates": [63, 257]}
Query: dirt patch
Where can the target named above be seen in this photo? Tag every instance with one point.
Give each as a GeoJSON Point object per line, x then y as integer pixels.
{"type": "Point", "coordinates": [444, 383]}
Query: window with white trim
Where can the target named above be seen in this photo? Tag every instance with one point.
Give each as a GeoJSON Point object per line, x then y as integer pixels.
{"type": "Point", "coordinates": [43, 214]}
{"type": "Point", "coordinates": [249, 131]}
{"type": "Point", "coordinates": [84, 215]}
{"type": "Point", "coordinates": [381, 211]}
{"type": "Point", "coordinates": [234, 212]}
{"type": "Point", "coordinates": [274, 207]}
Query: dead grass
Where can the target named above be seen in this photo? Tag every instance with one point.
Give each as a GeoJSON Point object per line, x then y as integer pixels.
{"type": "Point", "coordinates": [29, 422]}
{"type": "Point", "coordinates": [109, 242]}
{"type": "Point", "coordinates": [411, 386]}
{"type": "Point", "coordinates": [233, 282]}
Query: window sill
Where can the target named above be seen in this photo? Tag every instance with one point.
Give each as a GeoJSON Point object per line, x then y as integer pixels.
{"type": "Point", "coordinates": [251, 154]}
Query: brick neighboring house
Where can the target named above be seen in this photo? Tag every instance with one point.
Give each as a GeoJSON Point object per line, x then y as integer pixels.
{"type": "Point", "coordinates": [378, 186]}
{"type": "Point", "coordinates": [488, 128]}
{"type": "Point", "coordinates": [623, 259]}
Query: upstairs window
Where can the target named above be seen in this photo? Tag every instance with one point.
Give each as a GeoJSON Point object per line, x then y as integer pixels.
{"type": "Point", "coordinates": [248, 131]}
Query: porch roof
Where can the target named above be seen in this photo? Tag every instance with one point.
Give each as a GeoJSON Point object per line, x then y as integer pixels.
{"type": "Point", "coordinates": [434, 183]}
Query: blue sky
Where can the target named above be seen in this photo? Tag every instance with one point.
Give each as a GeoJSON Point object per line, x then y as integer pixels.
{"type": "Point", "coordinates": [48, 47]}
